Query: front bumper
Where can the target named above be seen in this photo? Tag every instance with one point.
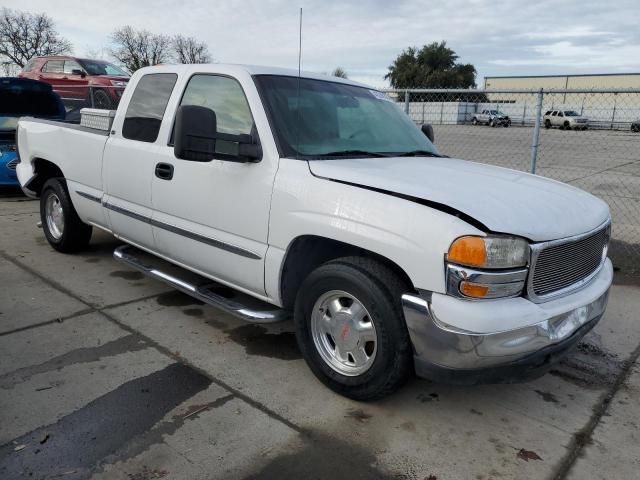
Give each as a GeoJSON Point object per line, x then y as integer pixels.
{"type": "Point", "coordinates": [539, 336]}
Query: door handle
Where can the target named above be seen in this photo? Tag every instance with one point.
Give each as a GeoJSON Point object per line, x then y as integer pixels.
{"type": "Point", "coordinates": [164, 171]}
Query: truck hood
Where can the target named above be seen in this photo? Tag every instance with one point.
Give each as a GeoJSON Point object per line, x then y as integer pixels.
{"type": "Point", "coordinates": [504, 200]}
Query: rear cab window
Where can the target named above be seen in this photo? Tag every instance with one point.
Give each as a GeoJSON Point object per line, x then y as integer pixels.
{"type": "Point", "coordinates": [147, 106]}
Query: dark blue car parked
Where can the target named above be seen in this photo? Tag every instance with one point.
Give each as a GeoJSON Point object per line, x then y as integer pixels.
{"type": "Point", "coordinates": [20, 97]}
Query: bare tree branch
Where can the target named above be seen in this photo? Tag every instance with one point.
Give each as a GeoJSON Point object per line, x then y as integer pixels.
{"type": "Point", "coordinates": [139, 48]}
{"type": "Point", "coordinates": [190, 50]}
{"type": "Point", "coordinates": [25, 35]}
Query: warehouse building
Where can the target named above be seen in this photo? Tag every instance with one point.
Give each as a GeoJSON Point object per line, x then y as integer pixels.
{"type": "Point", "coordinates": [558, 82]}
{"type": "Point", "coordinates": [615, 107]}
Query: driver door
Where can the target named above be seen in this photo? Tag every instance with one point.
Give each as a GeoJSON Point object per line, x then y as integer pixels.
{"type": "Point", "coordinates": [213, 216]}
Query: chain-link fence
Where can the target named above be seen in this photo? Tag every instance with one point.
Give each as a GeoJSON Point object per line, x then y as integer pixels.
{"type": "Point", "coordinates": [587, 138]}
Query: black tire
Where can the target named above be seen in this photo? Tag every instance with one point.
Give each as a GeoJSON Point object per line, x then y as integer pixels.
{"type": "Point", "coordinates": [547, 124]}
{"type": "Point", "coordinates": [635, 127]}
{"type": "Point", "coordinates": [75, 234]}
{"type": "Point", "coordinates": [567, 126]}
{"type": "Point", "coordinates": [507, 124]}
{"type": "Point", "coordinates": [379, 290]}
{"type": "Point", "coordinates": [474, 121]}
{"type": "Point", "coordinates": [492, 123]}
{"type": "Point", "coordinates": [101, 99]}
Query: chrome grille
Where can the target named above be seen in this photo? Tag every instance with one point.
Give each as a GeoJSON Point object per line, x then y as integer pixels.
{"type": "Point", "coordinates": [12, 164]}
{"type": "Point", "coordinates": [562, 264]}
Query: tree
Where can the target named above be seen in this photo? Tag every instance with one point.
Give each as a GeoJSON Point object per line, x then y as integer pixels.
{"type": "Point", "coordinates": [339, 72]}
{"type": "Point", "coordinates": [139, 48]}
{"type": "Point", "coordinates": [25, 35]}
{"type": "Point", "coordinates": [433, 66]}
{"type": "Point", "coordinates": [190, 50]}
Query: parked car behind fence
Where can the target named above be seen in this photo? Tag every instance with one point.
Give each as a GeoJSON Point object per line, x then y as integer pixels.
{"type": "Point", "coordinates": [565, 120]}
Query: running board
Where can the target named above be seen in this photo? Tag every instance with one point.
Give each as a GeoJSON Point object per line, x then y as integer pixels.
{"type": "Point", "coordinates": [225, 298]}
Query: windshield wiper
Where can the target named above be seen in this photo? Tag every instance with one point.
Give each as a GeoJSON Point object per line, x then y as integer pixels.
{"type": "Point", "coordinates": [418, 153]}
{"type": "Point", "coordinates": [342, 153]}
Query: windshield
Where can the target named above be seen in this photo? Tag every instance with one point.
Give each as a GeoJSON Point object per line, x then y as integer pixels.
{"type": "Point", "coordinates": [571, 113]}
{"type": "Point", "coordinates": [94, 67]}
{"type": "Point", "coordinates": [330, 118]}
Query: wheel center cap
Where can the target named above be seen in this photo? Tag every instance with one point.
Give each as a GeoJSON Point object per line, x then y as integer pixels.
{"type": "Point", "coordinates": [344, 331]}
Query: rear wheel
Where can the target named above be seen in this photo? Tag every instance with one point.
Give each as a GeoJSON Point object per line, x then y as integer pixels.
{"type": "Point", "coordinates": [492, 123]}
{"type": "Point", "coordinates": [474, 121]}
{"type": "Point", "coordinates": [547, 124]}
{"type": "Point", "coordinates": [351, 330]}
{"type": "Point", "coordinates": [60, 222]}
{"type": "Point", "coordinates": [101, 99]}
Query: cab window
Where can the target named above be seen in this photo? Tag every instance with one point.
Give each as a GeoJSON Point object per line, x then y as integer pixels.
{"type": "Point", "coordinates": [147, 105]}
{"type": "Point", "coordinates": [226, 98]}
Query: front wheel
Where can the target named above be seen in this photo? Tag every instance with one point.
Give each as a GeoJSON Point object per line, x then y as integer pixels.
{"type": "Point", "coordinates": [351, 330]}
{"type": "Point", "coordinates": [62, 227]}
{"type": "Point", "coordinates": [547, 124]}
{"type": "Point", "coordinates": [492, 123]}
{"type": "Point", "coordinates": [474, 121]}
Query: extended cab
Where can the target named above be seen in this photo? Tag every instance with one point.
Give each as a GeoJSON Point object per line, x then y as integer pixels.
{"type": "Point", "coordinates": [318, 196]}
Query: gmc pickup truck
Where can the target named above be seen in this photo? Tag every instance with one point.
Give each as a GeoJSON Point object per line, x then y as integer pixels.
{"type": "Point", "coordinates": [271, 195]}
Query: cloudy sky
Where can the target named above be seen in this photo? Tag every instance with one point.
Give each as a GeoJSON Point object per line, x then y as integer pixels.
{"type": "Point", "coordinates": [498, 37]}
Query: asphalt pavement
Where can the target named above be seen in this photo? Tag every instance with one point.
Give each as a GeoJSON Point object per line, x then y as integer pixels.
{"type": "Point", "coordinates": [106, 374]}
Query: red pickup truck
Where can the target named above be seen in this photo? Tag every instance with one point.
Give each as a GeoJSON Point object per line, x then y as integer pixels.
{"type": "Point", "coordinates": [95, 83]}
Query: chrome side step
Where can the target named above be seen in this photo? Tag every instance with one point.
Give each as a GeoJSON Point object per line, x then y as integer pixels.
{"type": "Point", "coordinates": [231, 301]}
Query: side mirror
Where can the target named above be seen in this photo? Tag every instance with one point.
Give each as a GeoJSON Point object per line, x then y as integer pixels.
{"type": "Point", "coordinates": [195, 133]}
{"type": "Point", "coordinates": [77, 71]}
{"type": "Point", "coordinates": [196, 138]}
{"type": "Point", "coordinates": [427, 129]}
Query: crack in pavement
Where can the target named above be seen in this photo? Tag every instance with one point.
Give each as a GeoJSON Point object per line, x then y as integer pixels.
{"type": "Point", "coordinates": [239, 394]}
{"type": "Point", "coordinates": [583, 437]}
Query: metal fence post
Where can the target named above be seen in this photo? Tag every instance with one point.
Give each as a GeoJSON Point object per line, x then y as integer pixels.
{"type": "Point", "coordinates": [613, 114]}
{"type": "Point", "coordinates": [406, 102]}
{"type": "Point", "coordinates": [524, 113]}
{"type": "Point", "coordinates": [441, 111]}
{"type": "Point", "coordinates": [93, 102]}
{"type": "Point", "coordinates": [536, 133]}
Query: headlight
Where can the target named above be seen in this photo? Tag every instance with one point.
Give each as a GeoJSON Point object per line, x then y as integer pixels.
{"type": "Point", "coordinates": [499, 267]}
{"type": "Point", "coordinates": [489, 252]}
{"type": "Point", "coordinates": [118, 83]}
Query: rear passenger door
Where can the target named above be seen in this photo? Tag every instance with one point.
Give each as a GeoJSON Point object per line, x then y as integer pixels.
{"type": "Point", "coordinates": [130, 156]}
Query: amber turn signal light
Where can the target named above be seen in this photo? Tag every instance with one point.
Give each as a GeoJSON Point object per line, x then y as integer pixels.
{"type": "Point", "coordinates": [474, 290]}
{"type": "Point", "coordinates": [469, 251]}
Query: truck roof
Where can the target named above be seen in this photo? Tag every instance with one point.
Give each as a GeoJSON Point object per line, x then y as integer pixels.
{"type": "Point", "coordinates": [231, 68]}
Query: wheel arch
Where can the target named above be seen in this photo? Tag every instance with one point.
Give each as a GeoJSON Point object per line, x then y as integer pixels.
{"type": "Point", "coordinates": [307, 252]}
{"type": "Point", "coordinates": [43, 170]}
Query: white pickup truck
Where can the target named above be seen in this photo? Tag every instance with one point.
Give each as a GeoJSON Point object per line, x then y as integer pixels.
{"type": "Point", "coordinates": [318, 197]}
